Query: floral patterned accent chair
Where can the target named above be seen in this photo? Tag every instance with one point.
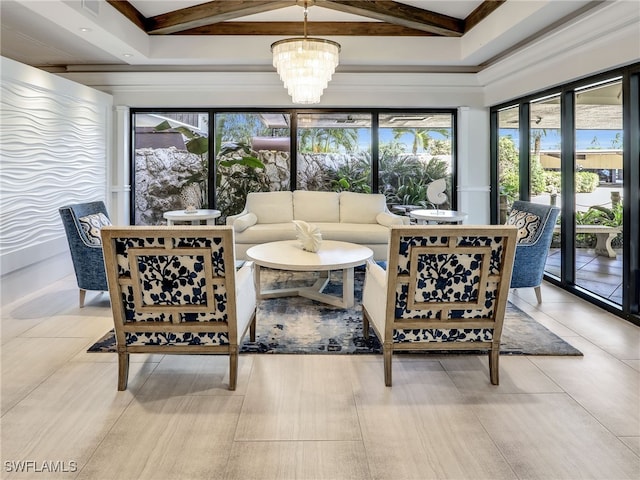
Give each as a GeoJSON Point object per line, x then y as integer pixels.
{"type": "Point", "coordinates": [445, 288]}
{"type": "Point", "coordinates": [82, 223]}
{"type": "Point", "coordinates": [535, 223]}
{"type": "Point", "coordinates": [176, 290]}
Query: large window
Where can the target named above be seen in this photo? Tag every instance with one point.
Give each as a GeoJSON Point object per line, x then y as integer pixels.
{"type": "Point", "coordinates": [414, 150]}
{"type": "Point", "coordinates": [584, 157]}
{"type": "Point", "coordinates": [334, 152]}
{"type": "Point", "coordinates": [252, 155]}
{"type": "Point", "coordinates": [170, 163]}
{"type": "Point", "coordinates": [214, 158]}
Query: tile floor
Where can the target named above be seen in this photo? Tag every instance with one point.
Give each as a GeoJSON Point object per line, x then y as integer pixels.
{"type": "Point", "coordinates": [316, 417]}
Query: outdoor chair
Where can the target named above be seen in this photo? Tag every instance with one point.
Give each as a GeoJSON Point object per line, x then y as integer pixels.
{"type": "Point", "coordinates": [82, 223]}
{"type": "Point", "coordinates": [445, 288]}
{"type": "Point", "coordinates": [176, 290]}
{"type": "Point", "coordinates": [535, 223]}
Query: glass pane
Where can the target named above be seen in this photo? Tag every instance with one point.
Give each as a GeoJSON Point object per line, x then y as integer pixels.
{"type": "Point", "coordinates": [598, 189]}
{"type": "Point", "coordinates": [508, 159]}
{"type": "Point", "coordinates": [334, 152]}
{"type": "Point", "coordinates": [252, 155]}
{"type": "Point", "coordinates": [171, 163]}
{"type": "Point", "coordinates": [414, 150]}
{"type": "Point", "coordinates": [544, 186]}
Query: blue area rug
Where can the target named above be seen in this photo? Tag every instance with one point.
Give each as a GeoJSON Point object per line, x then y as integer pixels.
{"type": "Point", "coordinates": [303, 326]}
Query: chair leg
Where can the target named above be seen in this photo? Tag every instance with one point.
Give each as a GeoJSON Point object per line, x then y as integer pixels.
{"type": "Point", "coordinates": [494, 368]}
{"type": "Point", "coordinates": [252, 329]}
{"type": "Point", "coordinates": [387, 352]}
{"type": "Point", "coordinates": [365, 324]}
{"type": "Point", "coordinates": [83, 294]}
{"type": "Point", "coordinates": [123, 370]}
{"type": "Point", "coordinates": [233, 369]}
{"type": "Point", "coordinates": [538, 293]}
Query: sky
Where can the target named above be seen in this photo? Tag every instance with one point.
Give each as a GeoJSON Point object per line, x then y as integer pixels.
{"type": "Point", "coordinates": [585, 139]}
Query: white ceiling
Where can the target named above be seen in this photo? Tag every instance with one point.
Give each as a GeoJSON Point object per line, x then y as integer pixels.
{"type": "Point", "coordinates": [47, 34]}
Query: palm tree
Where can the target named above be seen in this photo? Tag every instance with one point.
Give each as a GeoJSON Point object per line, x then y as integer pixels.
{"type": "Point", "coordinates": [421, 136]}
{"type": "Point", "coordinates": [326, 140]}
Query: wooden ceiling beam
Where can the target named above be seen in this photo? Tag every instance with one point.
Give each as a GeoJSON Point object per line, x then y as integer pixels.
{"type": "Point", "coordinates": [399, 14]}
{"type": "Point", "coordinates": [131, 12]}
{"type": "Point", "coordinates": [209, 13]}
{"type": "Point", "coordinates": [394, 19]}
{"type": "Point", "coordinates": [367, 29]}
{"type": "Point", "coordinates": [481, 12]}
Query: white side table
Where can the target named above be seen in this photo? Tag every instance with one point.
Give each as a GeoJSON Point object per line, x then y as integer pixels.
{"type": "Point", "coordinates": [438, 216]}
{"type": "Point", "coordinates": [195, 218]}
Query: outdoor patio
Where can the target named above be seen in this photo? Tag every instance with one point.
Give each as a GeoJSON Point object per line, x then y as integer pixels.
{"type": "Point", "coordinates": [598, 274]}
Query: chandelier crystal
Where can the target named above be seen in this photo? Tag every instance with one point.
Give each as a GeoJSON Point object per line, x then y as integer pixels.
{"type": "Point", "coordinates": [305, 64]}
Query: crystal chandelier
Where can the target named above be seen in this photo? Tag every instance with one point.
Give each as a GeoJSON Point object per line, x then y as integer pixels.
{"type": "Point", "coordinates": [305, 64]}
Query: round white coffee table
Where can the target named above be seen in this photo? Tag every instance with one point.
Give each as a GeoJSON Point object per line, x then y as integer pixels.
{"type": "Point", "coordinates": [438, 216]}
{"type": "Point", "coordinates": [209, 216]}
{"type": "Point", "coordinates": [289, 255]}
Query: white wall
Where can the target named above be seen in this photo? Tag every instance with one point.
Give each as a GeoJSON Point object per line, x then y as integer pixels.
{"type": "Point", "coordinates": [607, 38]}
{"type": "Point", "coordinates": [54, 145]}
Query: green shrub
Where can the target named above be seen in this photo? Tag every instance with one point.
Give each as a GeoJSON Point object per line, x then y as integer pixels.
{"type": "Point", "coordinates": [586, 182]}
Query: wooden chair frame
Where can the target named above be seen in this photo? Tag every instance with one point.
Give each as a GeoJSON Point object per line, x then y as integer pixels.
{"type": "Point", "coordinates": [136, 309]}
{"type": "Point", "coordinates": [435, 314]}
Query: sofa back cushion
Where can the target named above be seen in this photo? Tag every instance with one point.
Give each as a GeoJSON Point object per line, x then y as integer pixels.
{"type": "Point", "coordinates": [361, 207]}
{"type": "Point", "coordinates": [271, 207]}
{"type": "Point", "coordinates": [316, 206]}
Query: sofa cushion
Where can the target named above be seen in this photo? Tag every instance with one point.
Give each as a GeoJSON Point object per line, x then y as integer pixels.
{"type": "Point", "coordinates": [91, 226]}
{"type": "Point", "coordinates": [271, 207]}
{"type": "Point", "coordinates": [267, 232]}
{"type": "Point", "coordinates": [361, 207]}
{"type": "Point", "coordinates": [316, 206]}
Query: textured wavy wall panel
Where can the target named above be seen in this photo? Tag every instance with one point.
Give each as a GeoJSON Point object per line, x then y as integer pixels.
{"type": "Point", "coordinates": [53, 150]}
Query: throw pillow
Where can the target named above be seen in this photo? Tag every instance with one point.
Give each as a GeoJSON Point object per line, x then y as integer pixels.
{"type": "Point", "coordinates": [91, 225]}
{"type": "Point", "coordinates": [387, 219]}
{"type": "Point", "coordinates": [243, 222]}
{"type": "Point", "coordinates": [527, 223]}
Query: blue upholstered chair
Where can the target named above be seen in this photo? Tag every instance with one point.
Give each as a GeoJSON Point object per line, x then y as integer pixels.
{"type": "Point", "coordinates": [82, 223]}
{"type": "Point", "coordinates": [176, 290]}
{"type": "Point", "coordinates": [445, 288]}
{"type": "Point", "coordinates": [535, 224]}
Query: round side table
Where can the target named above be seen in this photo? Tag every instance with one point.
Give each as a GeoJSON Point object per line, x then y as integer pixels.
{"type": "Point", "coordinates": [195, 218]}
{"type": "Point", "coordinates": [438, 216]}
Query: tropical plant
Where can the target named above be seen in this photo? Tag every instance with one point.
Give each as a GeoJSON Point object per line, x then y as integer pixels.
{"type": "Point", "coordinates": [508, 166]}
{"type": "Point", "coordinates": [353, 176]}
{"type": "Point", "coordinates": [240, 171]}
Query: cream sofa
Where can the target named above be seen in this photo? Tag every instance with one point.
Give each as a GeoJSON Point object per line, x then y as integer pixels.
{"type": "Point", "coordinates": [346, 216]}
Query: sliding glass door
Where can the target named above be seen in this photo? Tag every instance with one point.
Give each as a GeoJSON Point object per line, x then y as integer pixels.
{"type": "Point", "coordinates": [545, 185]}
{"type": "Point", "coordinates": [584, 157]}
{"type": "Point", "coordinates": [598, 189]}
